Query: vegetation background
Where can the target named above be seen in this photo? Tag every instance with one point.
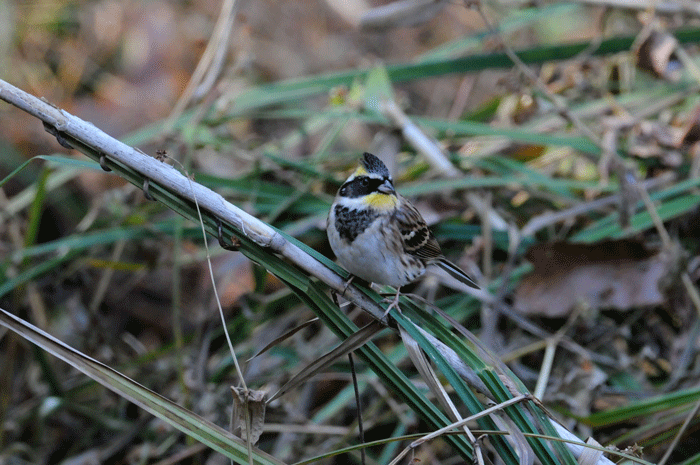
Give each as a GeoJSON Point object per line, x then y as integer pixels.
{"type": "Point", "coordinates": [574, 202]}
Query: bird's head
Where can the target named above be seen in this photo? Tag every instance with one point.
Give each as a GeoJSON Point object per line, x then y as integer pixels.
{"type": "Point", "coordinates": [370, 184]}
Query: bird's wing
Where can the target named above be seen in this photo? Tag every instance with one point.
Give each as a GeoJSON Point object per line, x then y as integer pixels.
{"type": "Point", "coordinates": [415, 234]}
{"type": "Point", "coordinates": [419, 241]}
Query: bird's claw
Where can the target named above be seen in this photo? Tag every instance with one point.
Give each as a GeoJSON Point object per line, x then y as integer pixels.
{"type": "Point", "coordinates": [394, 304]}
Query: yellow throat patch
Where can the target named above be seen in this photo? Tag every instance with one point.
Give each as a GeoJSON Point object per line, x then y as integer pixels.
{"type": "Point", "coordinates": [379, 201]}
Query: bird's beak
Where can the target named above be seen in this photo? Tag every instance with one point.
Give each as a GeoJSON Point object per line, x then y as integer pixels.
{"type": "Point", "coordinates": [386, 187]}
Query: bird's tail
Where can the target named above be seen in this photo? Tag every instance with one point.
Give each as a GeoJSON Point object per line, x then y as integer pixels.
{"type": "Point", "coordinates": [454, 271]}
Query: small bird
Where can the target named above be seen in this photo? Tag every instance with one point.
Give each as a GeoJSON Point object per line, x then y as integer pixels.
{"type": "Point", "coordinates": [379, 236]}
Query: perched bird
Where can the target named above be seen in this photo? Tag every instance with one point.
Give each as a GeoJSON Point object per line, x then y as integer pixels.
{"type": "Point", "coordinates": [379, 236]}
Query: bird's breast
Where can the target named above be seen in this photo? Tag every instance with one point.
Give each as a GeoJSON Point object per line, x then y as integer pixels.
{"type": "Point", "coordinates": [375, 252]}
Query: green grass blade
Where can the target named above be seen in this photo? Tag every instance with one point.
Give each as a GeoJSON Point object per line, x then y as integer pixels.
{"type": "Point", "coordinates": [644, 408]}
{"type": "Point", "coordinates": [184, 420]}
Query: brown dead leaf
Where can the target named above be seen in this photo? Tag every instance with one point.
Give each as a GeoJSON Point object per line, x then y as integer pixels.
{"type": "Point", "coordinates": [655, 54]}
{"type": "Point", "coordinates": [612, 274]}
{"type": "Point", "coordinates": [248, 407]}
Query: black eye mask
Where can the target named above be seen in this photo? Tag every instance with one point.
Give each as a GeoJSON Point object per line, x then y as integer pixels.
{"type": "Point", "coordinates": [361, 185]}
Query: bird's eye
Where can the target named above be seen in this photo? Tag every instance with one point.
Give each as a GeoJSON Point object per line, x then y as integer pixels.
{"type": "Point", "coordinates": [364, 182]}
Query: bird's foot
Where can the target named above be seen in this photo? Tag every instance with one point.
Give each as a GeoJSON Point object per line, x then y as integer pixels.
{"type": "Point", "coordinates": [394, 304]}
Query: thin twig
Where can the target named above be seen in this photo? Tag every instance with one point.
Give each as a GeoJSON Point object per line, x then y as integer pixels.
{"type": "Point", "coordinates": [358, 403]}
{"type": "Point", "coordinates": [537, 223]}
{"type": "Point", "coordinates": [693, 412]}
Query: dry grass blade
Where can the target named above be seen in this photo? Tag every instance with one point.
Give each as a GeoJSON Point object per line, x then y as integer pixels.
{"type": "Point", "coordinates": [573, 443]}
{"type": "Point", "coordinates": [284, 337]}
{"type": "Point", "coordinates": [483, 413]}
{"type": "Point", "coordinates": [355, 341]}
{"type": "Point", "coordinates": [186, 421]}
{"type": "Point", "coordinates": [515, 437]}
{"type": "Point", "coordinates": [423, 366]}
{"type": "Point", "coordinates": [692, 414]}
{"type": "Point", "coordinates": [484, 353]}
{"type": "Point", "coordinates": [401, 13]}
{"type": "Point", "coordinates": [421, 363]}
{"type": "Point", "coordinates": [590, 456]}
{"type": "Point", "coordinates": [211, 63]}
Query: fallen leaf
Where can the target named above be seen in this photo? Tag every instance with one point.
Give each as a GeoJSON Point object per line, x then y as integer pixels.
{"type": "Point", "coordinates": [248, 404]}
{"type": "Point", "coordinates": [613, 274]}
{"type": "Point", "coordinates": [655, 54]}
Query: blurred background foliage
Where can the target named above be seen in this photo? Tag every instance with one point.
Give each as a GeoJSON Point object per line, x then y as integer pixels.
{"type": "Point", "coordinates": [283, 118]}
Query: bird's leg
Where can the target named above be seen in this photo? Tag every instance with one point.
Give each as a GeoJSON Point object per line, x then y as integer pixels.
{"type": "Point", "coordinates": [394, 303]}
